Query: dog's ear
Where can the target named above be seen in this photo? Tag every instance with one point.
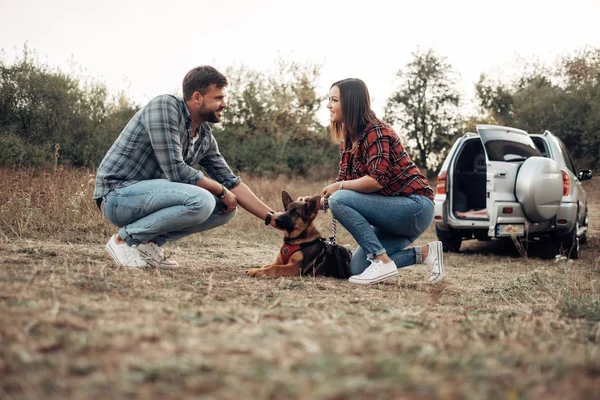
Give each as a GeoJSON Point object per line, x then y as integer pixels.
{"type": "Point", "coordinates": [286, 199]}
{"type": "Point", "coordinates": [313, 205]}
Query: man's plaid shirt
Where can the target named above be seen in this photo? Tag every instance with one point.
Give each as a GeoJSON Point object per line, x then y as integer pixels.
{"type": "Point", "coordinates": [157, 144]}
{"type": "Point", "coordinates": [380, 155]}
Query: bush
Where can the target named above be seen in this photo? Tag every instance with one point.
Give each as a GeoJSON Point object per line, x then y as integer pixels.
{"type": "Point", "coordinates": [262, 155]}
{"type": "Point", "coordinates": [40, 107]}
{"type": "Point", "coordinates": [12, 151]}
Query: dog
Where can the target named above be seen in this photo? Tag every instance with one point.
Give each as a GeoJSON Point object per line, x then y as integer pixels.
{"type": "Point", "coordinates": [304, 251]}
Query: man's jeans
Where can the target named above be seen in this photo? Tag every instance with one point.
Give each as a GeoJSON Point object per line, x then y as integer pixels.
{"type": "Point", "coordinates": [382, 224]}
{"type": "Point", "coordinates": [158, 210]}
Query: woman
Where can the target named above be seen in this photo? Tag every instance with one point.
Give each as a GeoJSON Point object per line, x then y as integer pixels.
{"type": "Point", "coordinates": [380, 196]}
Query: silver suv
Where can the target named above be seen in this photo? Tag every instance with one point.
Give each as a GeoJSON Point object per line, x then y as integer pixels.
{"type": "Point", "coordinates": [503, 182]}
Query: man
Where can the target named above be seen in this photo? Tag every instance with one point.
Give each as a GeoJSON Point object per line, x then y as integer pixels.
{"type": "Point", "coordinates": [146, 183]}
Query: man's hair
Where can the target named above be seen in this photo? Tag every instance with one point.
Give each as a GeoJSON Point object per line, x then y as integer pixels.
{"type": "Point", "coordinates": [200, 78]}
{"type": "Point", "coordinates": [356, 108]}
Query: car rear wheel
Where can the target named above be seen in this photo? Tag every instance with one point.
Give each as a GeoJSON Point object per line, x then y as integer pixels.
{"type": "Point", "coordinates": [568, 245]}
{"type": "Point", "coordinates": [451, 239]}
{"type": "Point", "coordinates": [583, 238]}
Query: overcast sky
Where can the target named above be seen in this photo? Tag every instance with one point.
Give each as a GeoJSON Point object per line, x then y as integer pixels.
{"type": "Point", "coordinates": [145, 47]}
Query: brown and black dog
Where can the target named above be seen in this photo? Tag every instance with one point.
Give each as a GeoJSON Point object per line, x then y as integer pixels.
{"type": "Point", "coordinates": [304, 251]}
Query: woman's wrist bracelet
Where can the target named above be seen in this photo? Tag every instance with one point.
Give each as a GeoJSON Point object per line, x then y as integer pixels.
{"type": "Point", "coordinates": [341, 185]}
{"type": "Point", "coordinates": [222, 194]}
{"type": "Point", "coordinates": [269, 217]}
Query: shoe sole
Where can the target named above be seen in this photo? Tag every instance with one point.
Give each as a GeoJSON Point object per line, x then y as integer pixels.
{"type": "Point", "coordinates": [156, 264]}
{"type": "Point", "coordinates": [439, 277]}
{"type": "Point", "coordinates": [376, 280]}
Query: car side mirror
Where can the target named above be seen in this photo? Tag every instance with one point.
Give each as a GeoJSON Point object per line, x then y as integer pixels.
{"type": "Point", "coordinates": [584, 174]}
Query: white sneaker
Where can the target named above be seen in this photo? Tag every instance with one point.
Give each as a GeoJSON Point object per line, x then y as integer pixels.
{"type": "Point", "coordinates": [123, 254]}
{"type": "Point", "coordinates": [155, 256]}
{"type": "Point", "coordinates": [435, 262]}
{"type": "Point", "coordinates": [376, 272]}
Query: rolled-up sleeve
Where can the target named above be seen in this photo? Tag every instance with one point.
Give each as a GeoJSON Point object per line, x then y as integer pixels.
{"type": "Point", "coordinates": [161, 120]}
{"type": "Point", "coordinates": [216, 167]}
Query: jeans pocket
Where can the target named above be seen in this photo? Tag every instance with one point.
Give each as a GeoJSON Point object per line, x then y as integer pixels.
{"type": "Point", "coordinates": [423, 218]}
{"type": "Point", "coordinates": [109, 210]}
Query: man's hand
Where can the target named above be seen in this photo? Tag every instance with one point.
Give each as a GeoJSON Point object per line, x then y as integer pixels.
{"type": "Point", "coordinates": [272, 223]}
{"type": "Point", "coordinates": [230, 201]}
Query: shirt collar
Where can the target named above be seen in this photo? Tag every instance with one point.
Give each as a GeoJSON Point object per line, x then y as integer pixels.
{"type": "Point", "coordinates": [186, 112]}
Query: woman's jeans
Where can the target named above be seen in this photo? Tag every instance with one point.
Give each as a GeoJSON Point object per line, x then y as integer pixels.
{"type": "Point", "coordinates": [382, 224]}
{"type": "Point", "coordinates": [159, 210]}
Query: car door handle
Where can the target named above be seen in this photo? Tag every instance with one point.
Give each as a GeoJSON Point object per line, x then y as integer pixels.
{"type": "Point", "coordinates": [501, 174]}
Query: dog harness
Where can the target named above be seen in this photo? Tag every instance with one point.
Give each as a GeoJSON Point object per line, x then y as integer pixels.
{"type": "Point", "coordinates": [288, 249]}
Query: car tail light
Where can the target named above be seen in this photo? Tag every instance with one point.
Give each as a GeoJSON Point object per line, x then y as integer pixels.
{"type": "Point", "coordinates": [440, 187]}
{"type": "Point", "coordinates": [562, 222]}
{"type": "Point", "coordinates": [507, 210]}
{"type": "Point", "coordinates": [566, 183]}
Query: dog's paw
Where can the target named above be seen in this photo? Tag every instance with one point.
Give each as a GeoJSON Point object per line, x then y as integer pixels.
{"type": "Point", "coordinates": [255, 272]}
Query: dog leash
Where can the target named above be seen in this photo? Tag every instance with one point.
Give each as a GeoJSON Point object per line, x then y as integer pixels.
{"type": "Point", "coordinates": [345, 272]}
{"type": "Point", "coordinates": [333, 221]}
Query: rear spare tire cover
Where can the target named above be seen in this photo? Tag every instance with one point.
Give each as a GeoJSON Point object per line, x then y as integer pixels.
{"type": "Point", "coordinates": [539, 188]}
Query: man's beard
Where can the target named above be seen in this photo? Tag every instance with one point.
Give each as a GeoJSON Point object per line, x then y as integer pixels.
{"type": "Point", "coordinates": [210, 116]}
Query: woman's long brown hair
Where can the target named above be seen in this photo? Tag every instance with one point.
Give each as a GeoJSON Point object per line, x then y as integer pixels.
{"type": "Point", "coordinates": [356, 108]}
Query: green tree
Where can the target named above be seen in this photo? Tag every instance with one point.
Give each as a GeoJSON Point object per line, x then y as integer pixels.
{"type": "Point", "coordinates": [580, 107]}
{"type": "Point", "coordinates": [496, 101]}
{"type": "Point", "coordinates": [425, 108]}
{"type": "Point", "coordinates": [271, 125]}
{"type": "Point", "coordinates": [564, 99]}
{"type": "Point", "coordinates": [40, 107]}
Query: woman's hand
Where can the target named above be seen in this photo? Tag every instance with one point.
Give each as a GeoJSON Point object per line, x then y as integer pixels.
{"type": "Point", "coordinates": [331, 189]}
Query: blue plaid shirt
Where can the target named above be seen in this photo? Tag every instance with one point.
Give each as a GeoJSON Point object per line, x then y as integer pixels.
{"type": "Point", "coordinates": [157, 144]}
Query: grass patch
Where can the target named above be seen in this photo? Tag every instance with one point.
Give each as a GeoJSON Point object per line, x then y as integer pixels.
{"type": "Point", "coordinates": [72, 325]}
{"type": "Point", "coordinates": [584, 308]}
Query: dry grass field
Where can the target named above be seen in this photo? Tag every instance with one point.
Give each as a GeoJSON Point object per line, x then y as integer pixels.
{"type": "Point", "coordinates": [73, 325]}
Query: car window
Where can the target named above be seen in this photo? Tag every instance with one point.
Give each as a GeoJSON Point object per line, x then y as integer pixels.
{"type": "Point", "coordinates": [541, 145]}
{"type": "Point", "coordinates": [507, 150]}
{"type": "Point", "coordinates": [568, 159]}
